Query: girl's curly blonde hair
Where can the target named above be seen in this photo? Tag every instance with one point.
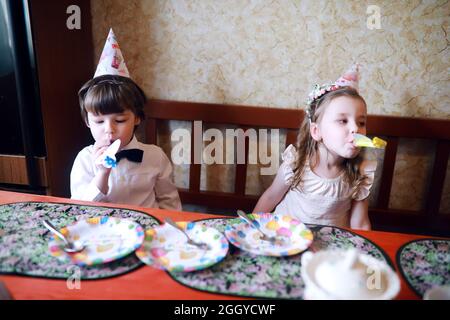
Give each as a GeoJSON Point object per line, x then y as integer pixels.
{"type": "Point", "coordinates": [307, 147]}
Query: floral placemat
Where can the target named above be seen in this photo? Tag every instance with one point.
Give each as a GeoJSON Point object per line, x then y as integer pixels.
{"type": "Point", "coordinates": [24, 240]}
{"type": "Point", "coordinates": [245, 274]}
{"type": "Point", "coordinates": [425, 263]}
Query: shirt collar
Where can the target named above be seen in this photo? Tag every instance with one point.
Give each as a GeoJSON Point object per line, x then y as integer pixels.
{"type": "Point", "coordinates": [133, 144]}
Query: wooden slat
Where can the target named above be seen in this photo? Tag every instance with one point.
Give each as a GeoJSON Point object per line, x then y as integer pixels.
{"type": "Point", "coordinates": [291, 137]}
{"type": "Point", "coordinates": [388, 173]}
{"type": "Point", "coordinates": [241, 170]}
{"type": "Point", "coordinates": [151, 131]}
{"type": "Point", "coordinates": [437, 179]}
{"type": "Point", "coordinates": [195, 167]}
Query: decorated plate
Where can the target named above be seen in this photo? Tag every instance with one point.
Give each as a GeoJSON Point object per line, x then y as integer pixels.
{"type": "Point", "coordinates": [166, 247]}
{"type": "Point", "coordinates": [105, 239]}
{"type": "Point", "coordinates": [291, 235]}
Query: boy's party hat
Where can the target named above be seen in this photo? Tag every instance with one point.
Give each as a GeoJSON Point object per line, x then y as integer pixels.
{"type": "Point", "coordinates": [111, 61]}
{"type": "Point", "coordinates": [350, 78]}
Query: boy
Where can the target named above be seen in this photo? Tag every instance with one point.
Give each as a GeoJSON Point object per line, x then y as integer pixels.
{"type": "Point", "coordinates": [112, 107]}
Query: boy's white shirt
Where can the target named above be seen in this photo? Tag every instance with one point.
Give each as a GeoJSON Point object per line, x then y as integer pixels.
{"type": "Point", "coordinates": [146, 184]}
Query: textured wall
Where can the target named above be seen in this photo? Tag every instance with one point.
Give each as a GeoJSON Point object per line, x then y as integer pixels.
{"type": "Point", "coordinates": [269, 53]}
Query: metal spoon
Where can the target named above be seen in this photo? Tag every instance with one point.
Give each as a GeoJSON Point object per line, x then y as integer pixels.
{"type": "Point", "coordinates": [247, 219]}
{"type": "Point", "coordinates": [69, 246]}
{"type": "Point", "coordinates": [200, 245]}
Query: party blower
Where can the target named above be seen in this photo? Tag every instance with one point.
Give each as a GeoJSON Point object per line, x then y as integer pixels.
{"type": "Point", "coordinates": [363, 141]}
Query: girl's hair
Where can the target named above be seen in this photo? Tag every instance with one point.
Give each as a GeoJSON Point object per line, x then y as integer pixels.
{"type": "Point", "coordinates": [111, 94]}
{"type": "Point", "coordinates": [307, 147]}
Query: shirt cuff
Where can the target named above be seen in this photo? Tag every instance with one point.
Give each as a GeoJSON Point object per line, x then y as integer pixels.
{"type": "Point", "coordinates": [92, 193]}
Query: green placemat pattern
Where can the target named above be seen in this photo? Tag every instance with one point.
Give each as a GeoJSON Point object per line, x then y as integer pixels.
{"type": "Point", "coordinates": [425, 263]}
{"type": "Point", "coordinates": [24, 240]}
{"type": "Point", "coordinates": [245, 274]}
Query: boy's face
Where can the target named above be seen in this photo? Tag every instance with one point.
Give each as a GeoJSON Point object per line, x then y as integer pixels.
{"type": "Point", "coordinates": [106, 128]}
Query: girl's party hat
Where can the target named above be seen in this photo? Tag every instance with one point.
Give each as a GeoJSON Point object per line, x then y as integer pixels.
{"type": "Point", "coordinates": [111, 61]}
{"type": "Point", "coordinates": [350, 78]}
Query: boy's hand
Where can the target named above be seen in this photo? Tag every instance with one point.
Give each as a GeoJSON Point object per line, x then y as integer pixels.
{"type": "Point", "coordinates": [101, 178]}
{"type": "Point", "coordinates": [99, 149]}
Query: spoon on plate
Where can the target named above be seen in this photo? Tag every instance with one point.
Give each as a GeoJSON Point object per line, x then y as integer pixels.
{"type": "Point", "coordinates": [69, 246]}
{"type": "Point", "coordinates": [200, 245]}
{"type": "Point", "coordinates": [264, 236]}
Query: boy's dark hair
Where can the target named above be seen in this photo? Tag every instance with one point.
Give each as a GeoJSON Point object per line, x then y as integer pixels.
{"type": "Point", "coordinates": [111, 94]}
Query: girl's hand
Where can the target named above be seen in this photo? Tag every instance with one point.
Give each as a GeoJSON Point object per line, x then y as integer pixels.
{"type": "Point", "coordinates": [359, 216]}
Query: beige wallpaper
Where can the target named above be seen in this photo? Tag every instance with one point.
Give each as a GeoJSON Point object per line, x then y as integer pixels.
{"type": "Point", "coordinates": [269, 53]}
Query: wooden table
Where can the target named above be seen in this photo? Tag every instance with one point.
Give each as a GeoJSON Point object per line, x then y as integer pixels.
{"type": "Point", "coordinates": [147, 282]}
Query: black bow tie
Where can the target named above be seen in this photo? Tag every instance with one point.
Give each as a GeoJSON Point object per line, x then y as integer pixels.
{"type": "Point", "coordinates": [134, 155]}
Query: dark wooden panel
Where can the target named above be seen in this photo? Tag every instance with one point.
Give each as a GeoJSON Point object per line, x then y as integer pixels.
{"type": "Point", "coordinates": [195, 167]}
{"type": "Point", "coordinates": [65, 62]}
{"type": "Point", "coordinates": [241, 170]}
{"type": "Point", "coordinates": [388, 173]}
{"type": "Point", "coordinates": [405, 127]}
{"type": "Point", "coordinates": [437, 179]}
{"type": "Point", "coordinates": [291, 137]}
{"type": "Point", "coordinates": [219, 199]}
{"type": "Point", "coordinates": [151, 131]}
{"type": "Point", "coordinates": [229, 114]}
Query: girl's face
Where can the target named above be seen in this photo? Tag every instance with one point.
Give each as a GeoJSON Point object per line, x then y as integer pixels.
{"type": "Point", "coordinates": [106, 128]}
{"type": "Point", "coordinates": [341, 118]}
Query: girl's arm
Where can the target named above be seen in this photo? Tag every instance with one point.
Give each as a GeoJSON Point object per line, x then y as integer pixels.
{"type": "Point", "coordinates": [359, 215]}
{"type": "Point", "coordinates": [273, 195]}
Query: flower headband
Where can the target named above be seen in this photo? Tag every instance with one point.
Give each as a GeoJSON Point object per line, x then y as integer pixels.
{"type": "Point", "coordinates": [349, 79]}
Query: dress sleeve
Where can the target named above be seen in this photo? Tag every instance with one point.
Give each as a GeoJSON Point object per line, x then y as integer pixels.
{"type": "Point", "coordinates": [368, 169]}
{"type": "Point", "coordinates": [287, 166]}
{"type": "Point", "coordinates": [165, 190]}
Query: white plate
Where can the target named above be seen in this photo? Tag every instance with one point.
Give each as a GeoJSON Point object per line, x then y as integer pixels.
{"type": "Point", "coordinates": [165, 247]}
{"type": "Point", "coordinates": [294, 237]}
{"type": "Point", "coordinates": [105, 239]}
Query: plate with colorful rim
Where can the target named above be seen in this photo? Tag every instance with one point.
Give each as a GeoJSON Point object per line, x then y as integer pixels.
{"type": "Point", "coordinates": [166, 248]}
{"type": "Point", "coordinates": [292, 235]}
{"type": "Point", "coordinates": [105, 239]}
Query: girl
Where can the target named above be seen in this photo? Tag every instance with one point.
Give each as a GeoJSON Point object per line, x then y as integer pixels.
{"type": "Point", "coordinates": [323, 180]}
